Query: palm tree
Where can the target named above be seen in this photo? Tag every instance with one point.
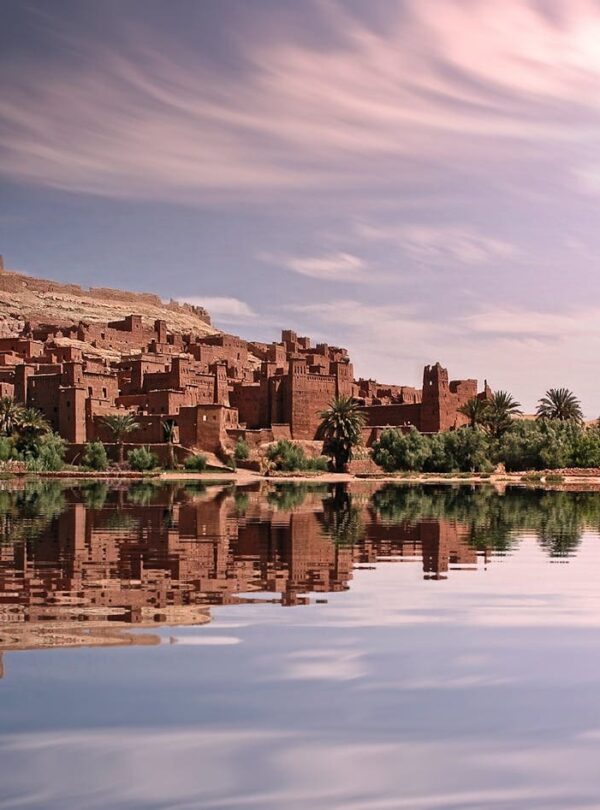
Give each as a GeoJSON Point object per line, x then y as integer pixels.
{"type": "Point", "coordinates": [475, 410]}
{"type": "Point", "coordinates": [169, 429]}
{"type": "Point", "coordinates": [120, 424]}
{"type": "Point", "coordinates": [501, 410]}
{"type": "Point", "coordinates": [9, 415]}
{"type": "Point", "coordinates": [341, 430]}
{"type": "Point", "coordinates": [560, 403]}
{"type": "Point", "coordinates": [30, 426]}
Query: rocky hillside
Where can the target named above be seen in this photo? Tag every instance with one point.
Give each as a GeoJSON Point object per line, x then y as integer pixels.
{"type": "Point", "coordinates": [23, 298]}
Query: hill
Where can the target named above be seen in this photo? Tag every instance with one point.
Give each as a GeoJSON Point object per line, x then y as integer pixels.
{"type": "Point", "coordinates": [24, 298]}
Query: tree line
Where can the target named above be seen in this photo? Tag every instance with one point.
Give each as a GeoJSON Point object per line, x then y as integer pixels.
{"type": "Point", "coordinates": [495, 435]}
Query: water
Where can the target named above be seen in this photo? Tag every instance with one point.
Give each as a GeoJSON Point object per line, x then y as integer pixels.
{"type": "Point", "coordinates": [299, 647]}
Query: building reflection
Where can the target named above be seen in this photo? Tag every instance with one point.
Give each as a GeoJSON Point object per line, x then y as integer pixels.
{"type": "Point", "coordinates": [84, 565]}
{"type": "Point", "coordinates": [435, 543]}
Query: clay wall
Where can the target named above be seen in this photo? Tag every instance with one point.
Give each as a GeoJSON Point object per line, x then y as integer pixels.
{"type": "Point", "coordinates": [305, 397]}
{"type": "Point", "coordinates": [101, 386]}
{"type": "Point", "coordinates": [226, 348]}
{"type": "Point", "coordinates": [250, 401]}
{"type": "Point", "coordinates": [10, 359]}
{"type": "Point", "coordinates": [23, 347]}
{"type": "Point", "coordinates": [205, 426]}
{"type": "Point", "coordinates": [168, 401]}
{"type": "Point", "coordinates": [150, 430]}
{"type": "Point", "coordinates": [72, 413]}
{"type": "Point", "coordinates": [42, 393]}
{"type": "Point", "coordinates": [395, 415]}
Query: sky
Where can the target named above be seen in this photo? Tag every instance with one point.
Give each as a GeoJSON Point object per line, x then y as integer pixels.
{"type": "Point", "coordinates": [418, 180]}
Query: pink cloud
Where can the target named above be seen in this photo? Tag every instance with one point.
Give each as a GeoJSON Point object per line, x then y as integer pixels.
{"type": "Point", "coordinates": [448, 83]}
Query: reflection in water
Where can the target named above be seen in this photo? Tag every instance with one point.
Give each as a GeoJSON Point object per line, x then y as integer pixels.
{"type": "Point", "coordinates": [452, 666]}
{"type": "Point", "coordinates": [80, 564]}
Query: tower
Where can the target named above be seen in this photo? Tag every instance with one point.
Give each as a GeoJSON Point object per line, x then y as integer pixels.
{"type": "Point", "coordinates": [436, 399]}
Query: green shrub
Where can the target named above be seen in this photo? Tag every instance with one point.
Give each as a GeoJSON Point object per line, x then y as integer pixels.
{"type": "Point", "coordinates": [287, 456]}
{"type": "Point", "coordinates": [242, 451]}
{"type": "Point", "coordinates": [195, 463]}
{"type": "Point", "coordinates": [142, 459]}
{"type": "Point", "coordinates": [399, 450]}
{"type": "Point", "coordinates": [94, 457]}
{"type": "Point", "coordinates": [533, 477]}
{"type": "Point", "coordinates": [319, 464]}
{"type": "Point", "coordinates": [548, 444]}
{"type": "Point", "coordinates": [466, 450]}
{"type": "Point", "coordinates": [545, 444]}
{"type": "Point", "coordinates": [49, 454]}
{"type": "Point", "coordinates": [7, 449]}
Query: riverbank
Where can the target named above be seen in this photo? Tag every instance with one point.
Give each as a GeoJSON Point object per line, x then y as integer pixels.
{"type": "Point", "coordinates": [551, 479]}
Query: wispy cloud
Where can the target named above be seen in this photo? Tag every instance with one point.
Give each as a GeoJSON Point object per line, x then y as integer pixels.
{"type": "Point", "coordinates": [439, 244]}
{"type": "Point", "coordinates": [449, 82]}
{"type": "Point", "coordinates": [338, 266]}
{"type": "Point", "coordinates": [554, 326]}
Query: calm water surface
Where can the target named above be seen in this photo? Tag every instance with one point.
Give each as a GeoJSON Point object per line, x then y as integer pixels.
{"type": "Point", "coordinates": [299, 647]}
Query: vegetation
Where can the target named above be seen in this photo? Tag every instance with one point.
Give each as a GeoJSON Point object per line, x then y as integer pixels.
{"type": "Point", "coordinates": [475, 411]}
{"type": "Point", "coordinates": [170, 430]}
{"type": "Point", "coordinates": [8, 450]}
{"type": "Point", "coordinates": [94, 457]}
{"type": "Point", "coordinates": [31, 425]}
{"type": "Point", "coordinates": [500, 412]}
{"type": "Point", "coordinates": [241, 451]}
{"type": "Point", "coordinates": [524, 445]}
{"type": "Point", "coordinates": [196, 463]}
{"type": "Point", "coordinates": [285, 456]}
{"type": "Point", "coordinates": [560, 404]}
{"type": "Point", "coordinates": [463, 450]}
{"type": "Point", "coordinates": [341, 430]}
{"type": "Point", "coordinates": [142, 459]}
{"type": "Point", "coordinates": [48, 455]}
{"type": "Point", "coordinates": [120, 425]}
{"type": "Point", "coordinates": [10, 413]}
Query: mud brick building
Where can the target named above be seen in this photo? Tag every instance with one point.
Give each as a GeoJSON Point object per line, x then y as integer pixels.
{"type": "Point", "coordinates": [212, 386]}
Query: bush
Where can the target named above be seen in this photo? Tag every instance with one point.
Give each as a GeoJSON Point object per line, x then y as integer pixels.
{"type": "Point", "coordinates": [548, 444]}
{"type": "Point", "coordinates": [397, 450]}
{"type": "Point", "coordinates": [142, 459]}
{"type": "Point", "coordinates": [242, 451]}
{"type": "Point", "coordinates": [319, 464]}
{"type": "Point", "coordinates": [287, 456]}
{"type": "Point", "coordinates": [464, 450]}
{"type": "Point", "coordinates": [94, 457]}
{"type": "Point", "coordinates": [195, 463]}
{"type": "Point", "coordinates": [527, 445]}
{"type": "Point", "coordinates": [49, 454]}
{"type": "Point", "coordinates": [7, 449]}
